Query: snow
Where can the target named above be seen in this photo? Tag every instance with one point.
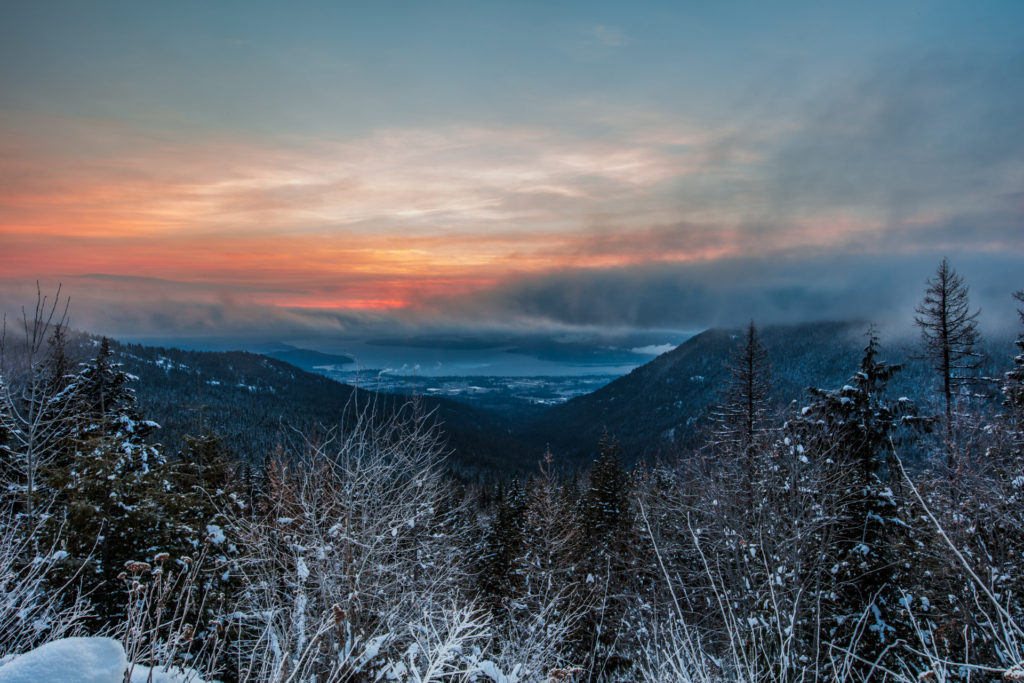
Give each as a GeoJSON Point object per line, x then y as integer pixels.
{"type": "Point", "coordinates": [215, 533]}
{"type": "Point", "coordinates": [494, 672]}
{"type": "Point", "coordinates": [1014, 673]}
{"type": "Point", "coordinates": [82, 660]}
{"type": "Point", "coordinates": [143, 674]}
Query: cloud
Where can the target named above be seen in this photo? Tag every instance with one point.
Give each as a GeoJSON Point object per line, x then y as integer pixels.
{"type": "Point", "coordinates": [624, 215]}
{"type": "Point", "coordinates": [727, 292]}
{"type": "Point", "coordinates": [921, 133]}
{"type": "Point", "coordinates": [653, 349]}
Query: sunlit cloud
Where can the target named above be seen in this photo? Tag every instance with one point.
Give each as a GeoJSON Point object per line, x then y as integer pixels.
{"type": "Point", "coordinates": [606, 211]}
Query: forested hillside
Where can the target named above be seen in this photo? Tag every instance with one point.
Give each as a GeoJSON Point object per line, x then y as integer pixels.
{"type": "Point", "coordinates": [792, 542]}
{"type": "Point", "coordinates": [257, 404]}
{"type": "Point", "coordinates": [665, 406]}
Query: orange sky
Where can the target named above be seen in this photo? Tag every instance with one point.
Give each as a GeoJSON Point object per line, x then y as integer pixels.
{"type": "Point", "coordinates": [385, 221]}
{"type": "Point", "coordinates": [364, 161]}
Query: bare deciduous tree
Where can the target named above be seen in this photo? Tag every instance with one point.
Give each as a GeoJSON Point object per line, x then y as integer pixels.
{"type": "Point", "coordinates": [34, 410]}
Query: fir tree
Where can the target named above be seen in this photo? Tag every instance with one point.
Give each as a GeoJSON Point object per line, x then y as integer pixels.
{"type": "Point", "coordinates": [853, 430]}
{"type": "Point", "coordinates": [111, 490]}
{"type": "Point", "coordinates": [949, 333]}
{"type": "Point", "coordinates": [1013, 384]}
{"type": "Point", "coordinates": [106, 401]}
{"type": "Point", "coordinates": [500, 575]}
{"type": "Point", "coordinates": [606, 503]}
{"type": "Point", "coordinates": [742, 415]}
{"type": "Point", "coordinates": [742, 418]}
{"type": "Point", "coordinates": [606, 550]}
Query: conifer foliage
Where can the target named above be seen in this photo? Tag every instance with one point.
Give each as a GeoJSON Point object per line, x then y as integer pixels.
{"type": "Point", "coordinates": [949, 335]}
{"type": "Point", "coordinates": [1013, 380]}
{"type": "Point", "coordinates": [810, 552]}
{"type": "Point", "coordinates": [501, 570]}
{"type": "Point", "coordinates": [852, 430]}
{"type": "Point", "coordinates": [110, 488]}
{"type": "Point", "coordinates": [743, 416]}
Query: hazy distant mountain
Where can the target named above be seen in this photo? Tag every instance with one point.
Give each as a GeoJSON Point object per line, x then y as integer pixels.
{"type": "Point", "coordinates": [257, 403]}
{"type": "Point", "coordinates": [662, 406]}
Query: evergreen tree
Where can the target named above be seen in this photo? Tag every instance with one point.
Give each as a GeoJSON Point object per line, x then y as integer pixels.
{"type": "Point", "coordinates": [1013, 384]}
{"type": "Point", "coordinates": [111, 490]}
{"type": "Point", "coordinates": [949, 333]}
{"type": "Point", "coordinates": [606, 550]}
{"type": "Point", "coordinates": [551, 530]}
{"type": "Point", "coordinates": [106, 402]}
{"type": "Point", "coordinates": [605, 506]}
{"type": "Point", "coordinates": [852, 429]}
{"type": "Point", "coordinates": [742, 418]}
{"type": "Point", "coordinates": [500, 574]}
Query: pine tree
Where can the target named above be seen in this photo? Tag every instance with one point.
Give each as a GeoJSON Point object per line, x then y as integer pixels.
{"type": "Point", "coordinates": [853, 430]}
{"type": "Point", "coordinates": [949, 333]}
{"type": "Point", "coordinates": [606, 503]}
{"type": "Point", "coordinates": [551, 530]}
{"type": "Point", "coordinates": [500, 574]}
{"type": "Point", "coordinates": [106, 402]}
{"type": "Point", "coordinates": [111, 489]}
{"type": "Point", "coordinates": [742, 419]}
{"type": "Point", "coordinates": [606, 551]}
{"type": "Point", "coordinates": [1013, 384]}
{"type": "Point", "coordinates": [743, 413]}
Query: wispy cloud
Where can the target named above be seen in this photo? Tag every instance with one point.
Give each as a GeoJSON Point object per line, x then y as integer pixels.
{"type": "Point", "coordinates": [625, 214]}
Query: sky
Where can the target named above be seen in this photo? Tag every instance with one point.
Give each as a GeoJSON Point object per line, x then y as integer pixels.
{"type": "Point", "coordinates": [192, 169]}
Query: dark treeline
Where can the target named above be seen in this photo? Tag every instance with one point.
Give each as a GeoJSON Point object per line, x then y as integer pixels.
{"type": "Point", "coordinates": [853, 534]}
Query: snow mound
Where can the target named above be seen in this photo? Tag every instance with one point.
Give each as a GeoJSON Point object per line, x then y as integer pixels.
{"type": "Point", "coordinates": [84, 660]}
{"type": "Point", "coordinates": [78, 660]}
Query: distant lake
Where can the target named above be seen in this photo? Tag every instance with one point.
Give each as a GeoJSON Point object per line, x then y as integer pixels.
{"type": "Point", "coordinates": [492, 362]}
{"type": "Point", "coordinates": [523, 355]}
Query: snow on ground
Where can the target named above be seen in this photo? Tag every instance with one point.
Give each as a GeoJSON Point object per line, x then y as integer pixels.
{"type": "Point", "coordinates": [82, 660]}
{"type": "Point", "coordinates": [140, 674]}
{"type": "Point", "coordinates": [86, 660]}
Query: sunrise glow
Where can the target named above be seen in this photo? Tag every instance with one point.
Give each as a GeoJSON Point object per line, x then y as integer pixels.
{"type": "Point", "coordinates": [311, 171]}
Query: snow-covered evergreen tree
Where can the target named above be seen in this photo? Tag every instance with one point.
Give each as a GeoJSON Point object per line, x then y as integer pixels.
{"type": "Point", "coordinates": [110, 491]}
{"type": "Point", "coordinates": [852, 430]}
{"type": "Point", "coordinates": [1013, 384]}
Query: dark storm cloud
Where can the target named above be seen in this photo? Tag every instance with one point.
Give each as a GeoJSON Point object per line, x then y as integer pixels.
{"type": "Point", "coordinates": [136, 307]}
{"type": "Point", "coordinates": [880, 289]}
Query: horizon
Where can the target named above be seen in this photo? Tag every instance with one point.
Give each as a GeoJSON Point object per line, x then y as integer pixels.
{"type": "Point", "coordinates": [583, 172]}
